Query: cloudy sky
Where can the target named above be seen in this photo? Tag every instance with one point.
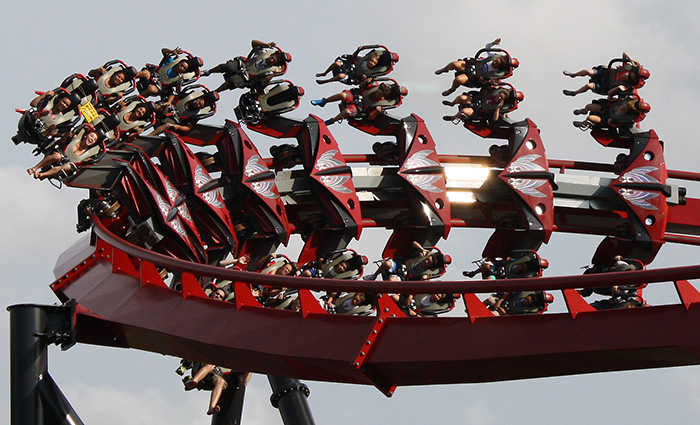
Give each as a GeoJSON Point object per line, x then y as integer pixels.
{"type": "Point", "coordinates": [46, 41]}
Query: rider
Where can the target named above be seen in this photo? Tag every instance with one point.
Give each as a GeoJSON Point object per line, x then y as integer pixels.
{"type": "Point", "coordinates": [347, 68]}
{"type": "Point", "coordinates": [64, 161]}
{"type": "Point", "coordinates": [604, 112]}
{"type": "Point", "coordinates": [496, 62]}
{"type": "Point", "coordinates": [604, 80]}
{"type": "Point", "coordinates": [366, 98]}
{"type": "Point", "coordinates": [420, 264]}
{"type": "Point", "coordinates": [263, 63]}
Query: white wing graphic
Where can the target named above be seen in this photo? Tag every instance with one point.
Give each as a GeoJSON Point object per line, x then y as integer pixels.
{"type": "Point", "coordinates": [525, 163]}
{"type": "Point", "coordinates": [639, 175]}
{"type": "Point", "coordinates": [264, 188]}
{"type": "Point", "coordinates": [527, 186]}
{"type": "Point", "coordinates": [419, 160]}
{"type": "Point", "coordinates": [253, 167]}
{"type": "Point", "coordinates": [172, 195]}
{"type": "Point", "coordinates": [639, 198]}
{"type": "Point", "coordinates": [175, 224]}
{"type": "Point", "coordinates": [327, 161]}
{"type": "Point", "coordinates": [336, 183]}
{"type": "Point", "coordinates": [425, 182]}
{"type": "Point", "coordinates": [212, 197]}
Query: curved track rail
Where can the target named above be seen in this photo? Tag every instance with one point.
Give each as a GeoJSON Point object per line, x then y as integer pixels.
{"type": "Point", "coordinates": [123, 300]}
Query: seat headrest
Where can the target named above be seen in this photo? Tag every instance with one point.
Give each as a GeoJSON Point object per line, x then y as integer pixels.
{"type": "Point", "coordinates": [110, 122]}
{"type": "Point", "coordinates": [211, 97]}
{"type": "Point", "coordinates": [287, 57]}
{"type": "Point", "coordinates": [544, 263]}
{"type": "Point", "coordinates": [519, 96]}
{"type": "Point", "coordinates": [514, 62]}
{"type": "Point", "coordinates": [195, 62]}
{"type": "Point", "coordinates": [150, 107]}
{"type": "Point", "coordinates": [129, 72]}
{"type": "Point", "coordinates": [73, 97]}
{"type": "Point", "coordinates": [394, 57]}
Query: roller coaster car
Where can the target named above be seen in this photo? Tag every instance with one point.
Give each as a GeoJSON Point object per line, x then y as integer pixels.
{"type": "Point", "coordinates": [128, 129]}
{"type": "Point", "coordinates": [40, 126]}
{"type": "Point", "coordinates": [521, 263]}
{"type": "Point", "coordinates": [108, 124]}
{"type": "Point", "coordinates": [90, 156]}
{"type": "Point", "coordinates": [526, 302]}
{"type": "Point", "coordinates": [275, 99]}
{"type": "Point", "coordinates": [276, 262]}
{"type": "Point", "coordinates": [440, 267]}
{"type": "Point", "coordinates": [253, 71]}
{"type": "Point", "coordinates": [533, 264]}
{"type": "Point", "coordinates": [478, 70]}
{"type": "Point", "coordinates": [618, 115]}
{"type": "Point", "coordinates": [103, 82]}
{"type": "Point", "coordinates": [351, 268]}
{"type": "Point", "coordinates": [187, 107]}
{"type": "Point", "coordinates": [619, 65]}
{"type": "Point", "coordinates": [616, 118]}
{"type": "Point", "coordinates": [630, 265]}
{"type": "Point", "coordinates": [353, 65]}
{"type": "Point", "coordinates": [620, 291]}
{"type": "Point", "coordinates": [427, 305]}
{"type": "Point", "coordinates": [366, 107]}
{"type": "Point", "coordinates": [355, 304]}
{"type": "Point", "coordinates": [620, 301]}
{"type": "Point", "coordinates": [485, 101]}
{"type": "Point", "coordinates": [154, 176]}
{"type": "Point", "coordinates": [279, 298]}
{"type": "Point", "coordinates": [86, 88]}
{"type": "Point", "coordinates": [259, 54]}
{"type": "Point", "coordinates": [170, 61]}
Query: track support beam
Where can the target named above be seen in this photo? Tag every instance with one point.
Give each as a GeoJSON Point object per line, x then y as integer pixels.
{"type": "Point", "coordinates": [289, 396]}
{"type": "Point", "coordinates": [35, 399]}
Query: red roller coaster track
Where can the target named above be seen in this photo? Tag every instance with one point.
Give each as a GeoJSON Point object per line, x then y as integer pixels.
{"type": "Point", "coordinates": [123, 300]}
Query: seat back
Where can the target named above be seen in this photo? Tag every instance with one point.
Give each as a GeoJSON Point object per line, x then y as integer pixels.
{"type": "Point", "coordinates": [192, 93]}
{"type": "Point", "coordinates": [343, 306]}
{"type": "Point", "coordinates": [111, 68]}
{"type": "Point", "coordinates": [426, 307]}
{"type": "Point", "coordinates": [171, 61]}
{"type": "Point", "coordinates": [281, 97]}
{"type": "Point", "coordinates": [355, 261]}
{"type": "Point", "coordinates": [69, 154]}
{"type": "Point", "coordinates": [258, 55]}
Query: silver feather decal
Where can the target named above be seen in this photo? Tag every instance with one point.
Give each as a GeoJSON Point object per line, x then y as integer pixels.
{"type": "Point", "coordinates": [327, 160]}
{"type": "Point", "coordinates": [525, 163]}
{"type": "Point", "coordinates": [527, 186]}
{"type": "Point", "coordinates": [420, 159]}
{"type": "Point", "coordinates": [265, 189]}
{"type": "Point", "coordinates": [336, 183]}
{"type": "Point", "coordinates": [253, 167]}
{"type": "Point", "coordinates": [425, 182]}
{"type": "Point", "coordinates": [212, 197]}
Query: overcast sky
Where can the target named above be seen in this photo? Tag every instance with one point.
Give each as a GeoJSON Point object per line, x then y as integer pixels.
{"type": "Point", "coordinates": [43, 42]}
